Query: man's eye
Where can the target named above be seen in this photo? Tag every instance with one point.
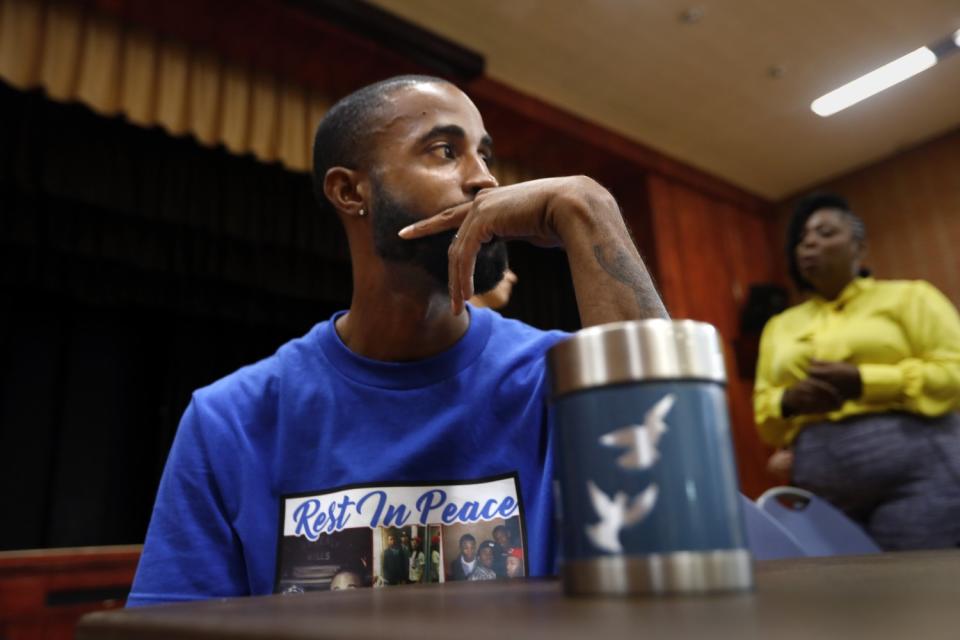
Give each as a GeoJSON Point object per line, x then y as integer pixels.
{"type": "Point", "coordinates": [444, 151]}
{"type": "Point", "coordinates": [488, 159]}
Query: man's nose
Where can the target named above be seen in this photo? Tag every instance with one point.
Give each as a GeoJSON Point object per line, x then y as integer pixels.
{"type": "Point", "coordinates": [478, 176]}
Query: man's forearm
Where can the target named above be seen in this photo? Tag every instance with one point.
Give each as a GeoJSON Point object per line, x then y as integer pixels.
{"type": "Point", "coordinates": [609, 277]}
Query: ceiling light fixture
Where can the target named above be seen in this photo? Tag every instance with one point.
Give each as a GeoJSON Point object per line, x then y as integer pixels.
{"type": "Point", "coordinates": [886, 76]}
{"type": "Point", "coordinates": [874, 82]}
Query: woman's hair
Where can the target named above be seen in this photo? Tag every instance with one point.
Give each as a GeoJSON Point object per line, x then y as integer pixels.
{"type": "Point", "coordinates": [805, 208]}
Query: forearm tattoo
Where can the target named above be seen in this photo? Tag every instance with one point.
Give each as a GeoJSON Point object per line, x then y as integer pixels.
{"type": "Point", "coordinates": [624, 268]}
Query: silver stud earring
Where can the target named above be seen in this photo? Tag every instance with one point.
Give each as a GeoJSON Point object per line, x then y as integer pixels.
{"type": "Point", "coordinates": [362, 212]}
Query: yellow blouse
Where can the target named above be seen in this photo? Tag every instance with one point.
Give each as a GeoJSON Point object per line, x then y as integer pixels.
{"type": "Point", "coordinates": [903, 335]}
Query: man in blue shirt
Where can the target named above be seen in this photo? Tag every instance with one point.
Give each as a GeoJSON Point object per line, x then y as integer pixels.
{"type": "Point", "coordinates": [409, 411]}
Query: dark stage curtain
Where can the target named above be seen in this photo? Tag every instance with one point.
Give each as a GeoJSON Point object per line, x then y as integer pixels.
{"type": "Point", "coordinates": [134, 268]}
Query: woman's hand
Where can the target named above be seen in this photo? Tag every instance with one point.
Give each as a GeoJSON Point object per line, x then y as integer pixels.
{"type": "Point", "coordinates": [842, 376]}
{"type": "Point", "coordinates": [780, 464]}
{"type": "Point", "coordinates": [810, 395]}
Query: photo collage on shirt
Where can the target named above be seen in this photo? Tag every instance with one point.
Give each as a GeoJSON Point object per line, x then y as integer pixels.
{"type": "Point", "coordinates": [389, 535]}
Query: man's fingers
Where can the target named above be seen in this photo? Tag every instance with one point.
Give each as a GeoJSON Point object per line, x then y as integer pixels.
{"type": "Point", "coordinates": [460, 278]}
{"type": "Point", "coordinates": [453, 276]}
{"type": "Point", "coordinates": [466, 246]}
{"type": "Point", "coordinates": [467, 263]}
{"type": "Point", "coordinates": [447, 219]}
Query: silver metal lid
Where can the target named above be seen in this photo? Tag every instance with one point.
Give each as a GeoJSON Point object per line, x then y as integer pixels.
{"type": "Point", "coordinates": [635, 351]}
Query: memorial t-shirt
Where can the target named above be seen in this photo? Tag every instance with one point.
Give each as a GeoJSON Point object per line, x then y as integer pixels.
{"type": "Point", "coordinates": [305, 470]}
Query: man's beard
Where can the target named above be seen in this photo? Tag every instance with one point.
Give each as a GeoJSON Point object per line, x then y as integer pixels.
{"type": "Point", "coordinates": [429, 253]}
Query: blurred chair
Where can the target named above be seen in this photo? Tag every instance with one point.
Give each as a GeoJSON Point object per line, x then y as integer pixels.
{"type": "Point", "coordinates": [817, 526]}
{"type": "Point", "coordinates": [766, 539]}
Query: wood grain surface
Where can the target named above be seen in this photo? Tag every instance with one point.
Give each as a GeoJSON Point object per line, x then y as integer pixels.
{"type": "Point", "coordinates": [897, 595]}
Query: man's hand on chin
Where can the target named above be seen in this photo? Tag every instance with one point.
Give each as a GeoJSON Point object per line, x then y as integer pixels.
{"type": "Point", "coordinates": [573, 212]}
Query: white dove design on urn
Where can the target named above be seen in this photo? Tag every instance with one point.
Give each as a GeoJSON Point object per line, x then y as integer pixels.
{"type": "Point", "coordinates": [641, 453]}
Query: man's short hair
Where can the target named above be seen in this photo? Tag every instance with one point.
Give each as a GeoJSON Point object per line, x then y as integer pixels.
{"type": "Point", "coordinates": [343, 135]}
{"type": "Point", "coordinates": [467, 538]}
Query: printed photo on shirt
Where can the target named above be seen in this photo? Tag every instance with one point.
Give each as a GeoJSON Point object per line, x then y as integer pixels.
{"type": "Point", "coordinates": [332, 562]}
{"type": "Point", "coordinates": [488, 551]}
{"type": "Point", "coordinates": [380, 534]}
{"type": "Point", "coordinates": [408, 555]}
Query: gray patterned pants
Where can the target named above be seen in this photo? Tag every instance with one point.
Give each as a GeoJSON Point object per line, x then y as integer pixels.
{"type": "Point", "coordinates": [897, 474]}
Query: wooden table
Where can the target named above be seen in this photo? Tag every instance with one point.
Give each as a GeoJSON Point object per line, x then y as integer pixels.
{"type": "Point", "coordinates": [903, 595]}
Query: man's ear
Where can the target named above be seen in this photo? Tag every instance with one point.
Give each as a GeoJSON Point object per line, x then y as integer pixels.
{"type": "Point", "coordinates": [346, 190]}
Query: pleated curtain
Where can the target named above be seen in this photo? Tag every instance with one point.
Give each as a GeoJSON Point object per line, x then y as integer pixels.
{"type": "Point", "coordinates": [116, 69]}
{"type": "Point", "coordinates": [75, 54]}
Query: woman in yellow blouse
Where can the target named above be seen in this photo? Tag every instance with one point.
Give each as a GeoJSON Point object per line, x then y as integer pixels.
{"type": "Point", "coordinates": [863, 381]}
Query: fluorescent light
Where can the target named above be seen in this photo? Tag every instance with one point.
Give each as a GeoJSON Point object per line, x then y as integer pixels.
{"type": "Point", "coordinates": [956, 37]}
{"type": "Point", "coordinates": [874, 82]}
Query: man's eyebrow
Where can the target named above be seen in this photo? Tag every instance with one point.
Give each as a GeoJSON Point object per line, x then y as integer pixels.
{"type": "Point", "coordinates": [443, 130]}
{"type": "Point", "coordinates": [453, 131]}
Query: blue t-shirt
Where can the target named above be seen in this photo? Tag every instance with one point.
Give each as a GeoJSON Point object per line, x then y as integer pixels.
{"type": "Point", "coordinates": [316, 460]}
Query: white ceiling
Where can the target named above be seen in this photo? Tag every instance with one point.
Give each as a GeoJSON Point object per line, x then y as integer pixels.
{"type": "Point", "coordinates": [702, 92]}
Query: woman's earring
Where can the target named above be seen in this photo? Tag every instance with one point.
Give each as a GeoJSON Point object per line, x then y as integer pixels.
{"type": "Point", "coordinates": [362, 212]}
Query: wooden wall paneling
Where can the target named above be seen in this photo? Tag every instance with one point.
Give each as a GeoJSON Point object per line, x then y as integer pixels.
{"type": "Point", "coordinates": [753, 253]}
{"type": "Point", "coordinates": [910, 203]}
{"type": "Point", "coordinates": [706, 252]}
{"type": "Point", "coordinates": [703, 272]}
{"type": "Point", "coordinates": [668, 253]}
{"type": "Point", "coordinates": [752, 260]}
